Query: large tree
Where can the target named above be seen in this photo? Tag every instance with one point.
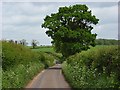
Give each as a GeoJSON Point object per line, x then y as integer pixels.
{"type": "Point", "coordinates": [70, 29]}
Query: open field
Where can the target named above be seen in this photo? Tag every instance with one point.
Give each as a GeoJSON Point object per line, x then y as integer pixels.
{"type": "Point", "coordinates": [48, 49]}
{"type": "Point", "coordinates": [43, 49]}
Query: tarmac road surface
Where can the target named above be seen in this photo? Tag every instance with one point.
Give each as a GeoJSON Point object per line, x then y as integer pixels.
{"type": "Point", "coordinates": [50, 78]}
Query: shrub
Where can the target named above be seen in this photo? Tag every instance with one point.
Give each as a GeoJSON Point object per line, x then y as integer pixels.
{"type": "Point", "coordinates": [96, 68]}
{"type": "Point", "coordinates": [46, 59]}
{"type": "Point", "coordinates": [20, 64]}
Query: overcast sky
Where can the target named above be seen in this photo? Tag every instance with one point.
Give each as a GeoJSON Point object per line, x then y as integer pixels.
{"type": "Point", "coordinates": [22, 20]}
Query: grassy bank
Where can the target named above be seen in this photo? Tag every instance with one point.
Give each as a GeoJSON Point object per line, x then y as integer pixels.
{"type": "Point", "coordinates": [20, 64]}
{"type": "Point", "coordinates": [96, 68]}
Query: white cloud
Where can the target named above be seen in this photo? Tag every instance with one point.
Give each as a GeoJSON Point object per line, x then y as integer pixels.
{"type": "Point", "coordinates": [61, 0]}
{"type": "Point", "coordinates": [0, 20]}
{"type": "Point", "coordinates": [26, 32]}
{"type": "Point", "coordinates": [27, 8]}
{"type": "Point", "coordinates": [108, 22]}
{"type": "Point", "coordinates": [107, 14]}
{"type": "Point", "coordinates": [108, 31]}
{"type": "Point", "coordinates": [23, 20]}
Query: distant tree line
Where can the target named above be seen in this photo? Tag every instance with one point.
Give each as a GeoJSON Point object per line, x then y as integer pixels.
{"type": "Point", "coordinates": [22, 42]}
{"type": "Point", "coordinates": [34, 43]}
{"type": "Point", "coordinates": [107, 42]}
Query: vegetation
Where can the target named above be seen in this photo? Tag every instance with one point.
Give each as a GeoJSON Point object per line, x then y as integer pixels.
{"type": "Point", "coordinates": [20, 64]}
{"type": "Point", "coordinates": [96, 68]}
{"type": "Point", "coordinates": [34, 43]}
{"type": "Point", "coordinates": [44, 49]}
{"type": "Point", "coordinates": [49, 50]}
{"type": "Point", "coordinates": [107, 42]}
{"type": "Point", "coordinates": [70, 29]}
{"type": "Point", "coordinates": [22, 42]}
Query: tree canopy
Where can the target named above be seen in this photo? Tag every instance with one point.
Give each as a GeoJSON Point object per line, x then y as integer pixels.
{"type": "Point", "coordinates": [70, 29]}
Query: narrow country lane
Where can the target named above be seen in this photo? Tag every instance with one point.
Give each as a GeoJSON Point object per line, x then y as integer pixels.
{"type": "Point", "coordinates": [49, 78]}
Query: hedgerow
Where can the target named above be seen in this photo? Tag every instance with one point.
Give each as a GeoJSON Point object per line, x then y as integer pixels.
{"type": "Point", "coordinates": [96, 68]}
{"type": "Point", "coordinates": [20, 64]}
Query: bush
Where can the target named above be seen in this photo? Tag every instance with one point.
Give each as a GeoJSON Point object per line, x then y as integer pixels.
{"type": "Point", "coordinates": [46, 59]}
{"type": "Point", "coordinates": [96, 68]}
{"type": "Point", "coordinates": [20, 64]}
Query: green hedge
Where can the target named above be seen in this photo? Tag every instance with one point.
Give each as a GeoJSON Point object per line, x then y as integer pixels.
{"type": "Point", "coordinates": [46, 59]}
{"type": "Point", "coordinates": [20, 64]}
{"type": "Point", "coordinates": [96, 68]}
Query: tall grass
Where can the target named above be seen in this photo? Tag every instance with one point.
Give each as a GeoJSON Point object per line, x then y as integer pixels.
{"type": "Point", "coordinates": [20, 64]}
{"type": "Point", "coordinates": [96, 68]}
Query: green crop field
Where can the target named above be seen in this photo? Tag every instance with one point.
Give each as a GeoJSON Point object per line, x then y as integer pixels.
{"type": "Point", "coordinates": [43, 49]}
{"type": "Point", "coordinates": [47, 49]}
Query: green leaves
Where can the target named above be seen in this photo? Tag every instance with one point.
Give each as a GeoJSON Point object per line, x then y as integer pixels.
{"type": "Point", "coordinates": [97, 67]}
{"type": "Point", "coordinates": [71, 25]}
{"type": "Point", "coordinates": [20, 64]}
